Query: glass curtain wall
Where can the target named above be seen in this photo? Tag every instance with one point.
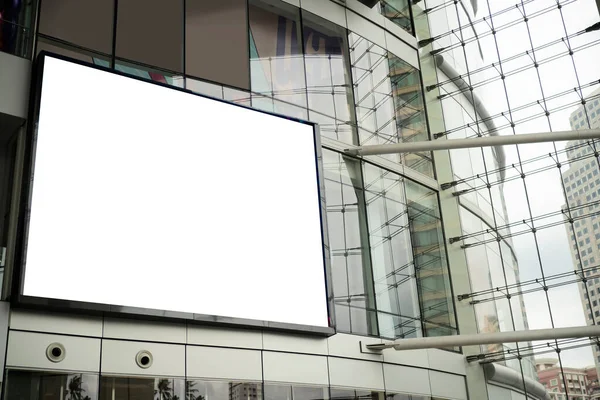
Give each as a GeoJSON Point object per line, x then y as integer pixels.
{"type": "Point", "coordinates": [530, 211]}
{"type": "Point", "coordinates": [28, 385]}
{"type": "Point", "coordinates": [389, 268]}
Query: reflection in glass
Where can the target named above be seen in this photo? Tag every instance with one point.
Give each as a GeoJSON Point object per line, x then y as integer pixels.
{"type": "Point", "coordinates": [328, 78]}
{"type": "Point", "coordinates": [150, 74]}
{"type": "Point", "coordinates": [32, 385]}
{"type": "Point", "coordinates": [276, 61]}
{"type": "Point", "coordinates": [15, 27]}
{"type": "Point", "coordinates": [348, 241]}
{"type": "Point", "coordinates": [388, 101]}
{"type": "Point", "coordinates": [433, 280]}
{"type": "Point", "coordinates": [120, 388]}
{"type": "Point", "coordinates": [393, 267]}
{"type": "Point", "coordinates": [71, 52]}
{"type": "Point", "coordinates": [397, 11]}
{"type": "Point", "coordinates": [222, 390]}
{"type": "Point", "coordinates": [410, 111]}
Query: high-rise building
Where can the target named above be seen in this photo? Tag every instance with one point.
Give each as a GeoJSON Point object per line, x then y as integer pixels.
{"type": "Point", "coordinates": [415, 244]}
{"type": "Point", "coordinates": [582, 185]}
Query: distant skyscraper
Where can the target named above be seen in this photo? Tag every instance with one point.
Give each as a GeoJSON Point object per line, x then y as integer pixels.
{"type": "Point", "coordinates": [582, 185]}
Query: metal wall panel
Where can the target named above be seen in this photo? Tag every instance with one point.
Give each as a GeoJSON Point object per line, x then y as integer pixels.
{"type": "Point", "coordinates": [144, 330]}
{"type": "Point", "coordinates": [356, 373]}
{"type": "Point", "coordinates": [118, 357]}
{"type": "Point", "coordinates": [295, 368]}
{"type": "Point", "coordinates": [219, 363]}
{"type": "Point", "coordinates": [28, 350]}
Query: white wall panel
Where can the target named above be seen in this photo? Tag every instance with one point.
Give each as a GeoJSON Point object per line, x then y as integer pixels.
{"type": "Point", "coordinates": [214, 362]}
{"type": "Point", "coordinates": [294, 343]}
{"type": "Point", "coordinates": [447, 385]}
{"type": "Point", "coordinates": [56, 323]}
{"type": "Point", "coordinates": [345, 345]}
{"type": "Point", "coordinates": [356, 373]}
{"type": "Point", "coordinates": [406, 379]}
{"type": "Point", "coordinates": [293, 2]}
{"type": "Point", "coordinates": [144, 330]}
{"type": "Point", "coordinates": [326, 9]}
{"type": "Point", "coordinates": [28, 350]}
{"type": "Point", "coordinates": [447, 361]}
{"type": "Point", "coordinates": [118, 357]}
{"type": "Point", "coordinates": [402, 50]}
{"type": "Point", "coordinates": [369, 13]}
{"type": "Point", "coordinates": [295, 368]}
{"type": "Point", "coordinates": [417, 358]}
{"type": "Point", "coordinates": [365, 28]}
{"type": "Point", "coordinates": [400, 33]}
{"type": "Point", "coordinates": [224, 337]}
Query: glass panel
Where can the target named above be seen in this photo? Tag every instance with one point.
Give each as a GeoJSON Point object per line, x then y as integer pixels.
{"type": "Point", "coordinates": [348, 241]}
{"type": "Point", "coordinates": [389, 101]}
{"type": "Point", "coordinates": [276, 61]}
{"type": "Point", "coordinates": [393, 267]}
{"type": "Point", "coordinates": [397, 11]}
{"type": "Point", "coordinates": [433, 280]}
{"type": "Point", "coordinates": [150, 74]}
{"type": "Point", "coordinates": [16, 19]}
{"type": "Point", "coordinates": [222, 390]}
{"type": "Point", "coordinates": [150, 33]}
{"type": "Point", "coordinates": [349, 394]}
{"type": "Point", "coordinates": [120, 388]}
{"type": "Point", "coordinates": [33, 385]}
{"type": "Point", "coordinates": [88, 24]}
{"type": "Point", "coordinates": [216, 41]}
{"type": "Point", "coordinates": [410, 111]}
{"type": "Point", "coordinates": [67, 51]}
{"type": "Point", "coordinates": [328, 78]}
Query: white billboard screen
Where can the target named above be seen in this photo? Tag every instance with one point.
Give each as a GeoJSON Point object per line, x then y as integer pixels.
{"type": "Point", "coordinates": [144, 196]}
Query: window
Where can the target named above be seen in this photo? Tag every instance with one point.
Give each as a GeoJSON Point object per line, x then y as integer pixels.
{"type": "Point", "coordinates": [553, 382]}
{"type": "Point", "coordinates": [397, 11]}
{"type": "Point", "coordinates": [139, 39]}
{"type": "Point", "coordinates": [44, 385]}
{"type": "Point", "coordinates": [88, 24]}
{"type": "Point", "coordinates": [217, 42]}
{"type": "Point", "coordinates": [276, 60]}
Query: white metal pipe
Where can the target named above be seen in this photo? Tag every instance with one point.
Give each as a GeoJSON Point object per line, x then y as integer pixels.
{"type": "Point", "coordinates": [488, 338]}
{"type": "Point", "coordinates": [487, 141]}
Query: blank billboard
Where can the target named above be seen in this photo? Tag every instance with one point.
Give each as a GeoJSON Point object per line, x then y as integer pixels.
{"type": "Point", "coordinates": [149, 197]}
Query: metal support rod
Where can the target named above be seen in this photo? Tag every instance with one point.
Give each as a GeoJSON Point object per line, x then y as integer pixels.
{"type": "Point", "coordinates": [448, 144]}
{"type": "Point", "coordinates": [488, 338]}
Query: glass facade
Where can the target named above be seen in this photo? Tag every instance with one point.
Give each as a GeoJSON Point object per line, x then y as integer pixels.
{"type": "Point", "coordinates": [515, 228]}
{"type": "Point", "coordinates": [34, 385]}
{"type": "Point", "coordinates": [389, 267]}
{"type": "Point", "coordinates": [526, 212]}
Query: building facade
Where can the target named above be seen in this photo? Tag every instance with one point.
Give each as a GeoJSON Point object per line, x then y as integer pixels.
{"type": "Point", "coordinates": [420, 244]}
{"type": "Point", "coordinates": [582, 185]}
{"type": "Point", "coordinates": [582, 383]}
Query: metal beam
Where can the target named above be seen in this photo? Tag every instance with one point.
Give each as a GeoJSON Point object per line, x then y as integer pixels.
{"type": "Point", "coordinates": [488, 338]}
{"type": "Point", "coordinates": [448, 144]}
